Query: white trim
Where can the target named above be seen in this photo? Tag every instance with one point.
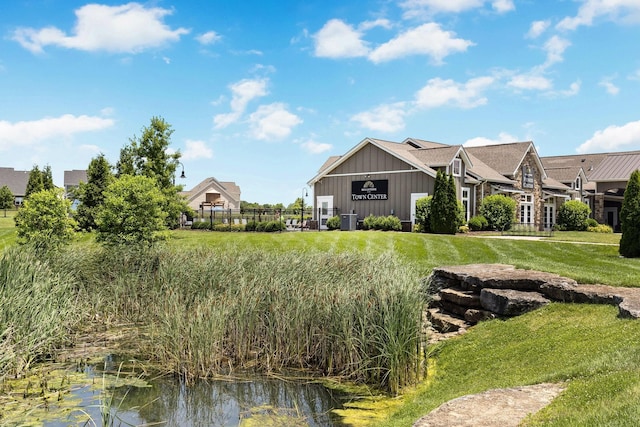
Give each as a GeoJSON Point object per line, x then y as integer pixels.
{"type": "Point", "coordinates": [357, 148]}
{"type": "Point", "coordinates": [372, 173]}
{"type": "Point", "coordinates": [413, 199]}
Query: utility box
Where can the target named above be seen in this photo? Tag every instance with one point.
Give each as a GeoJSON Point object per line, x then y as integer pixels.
{"type": "Point", "coordinates": [348, 222]}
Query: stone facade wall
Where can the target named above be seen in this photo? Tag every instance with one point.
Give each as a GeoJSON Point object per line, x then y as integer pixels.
{"type": "Point", "coordinates": [538, 202]}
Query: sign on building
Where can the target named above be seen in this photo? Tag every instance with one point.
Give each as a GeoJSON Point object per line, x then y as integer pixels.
{"type": "Point", "coordinates": [370, 190]}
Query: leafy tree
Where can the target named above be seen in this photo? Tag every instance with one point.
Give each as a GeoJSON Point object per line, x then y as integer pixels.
{"type": "Point", "coordinates": [91, 193]}
{"type": "Point", "coordinates": [444, 214]}
{"type": "Point", "coordinates": [499, 211]}
{"type": "Point", "coordinates": [44, 220]}
{"type": "Point", "coordinates": [6, 199]}
{"type": "Point", "coordinates": [630, 218]}
{"type": "Point", "coordinates": [149, 156]}
{"type": "Point", "coordinates": [35, 183]}
{"type": "Point", "coordinates": [423, 210]}
{"type": "Point", "coordinates": [132, 212]}
{"type": "Point", "coordinates": [573, 215]}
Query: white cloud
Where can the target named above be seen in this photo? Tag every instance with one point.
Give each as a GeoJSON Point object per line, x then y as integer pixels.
{"type": "Point", "coordinates": [25, 133]}
{"type": "Point", "coordinates": [243, 92]}
{"type": "Point", "coordinates": [210, 37]}
{"type": "Point", "coordinates": [384, 118]}
{"type": "Point", "coordinates": [529, 82]}
{"type": "Point", "coordinates": [624, 11]}
{"type": "Point", "coordinates": [635, 76]}
{"type": "Point", "coordinates": [609, 86]}
{"type": "Point", "coordinates": [439, 92]}
{"type": "Point", "coordinates": [537, 28]}
{"type": "Point", "coordinates": [130, 28]}
{"type": "Point", "coordinates": [503, 138]}
{"type": "Point", "coordinates": [574, 89]}
{"type": "Point", "coordinates": [272, 121]}
{"type": "Point", "coordinates": [367, 25]}
{"type": "Point", "coordinates": [196, 150]}
{"type": "Point", "coordinates": [503, 6]}
{"type": "Point", "coordinates": [336, 39]}
{"type": "Point", "coordinates": [427, 39]}
{"type": "Point", "coordinates": [613, 138]}
{"type": "Point", "coordinates": [425, 8]}
{"type": "Point", "coordinates": [90, 149]}
{"type": "Point", "coordinates": [555, 48]}
{"type": "Point", "coordinates": [314, 147]}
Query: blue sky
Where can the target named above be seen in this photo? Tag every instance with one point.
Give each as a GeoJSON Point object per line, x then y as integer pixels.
{"type": "Point", "coordinates": [262, 92]}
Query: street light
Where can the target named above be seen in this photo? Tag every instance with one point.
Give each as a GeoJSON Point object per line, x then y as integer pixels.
{"type": "Point", "coordinates": [182, 175]}
{"type": "Point", "coordinates": [304, 194]}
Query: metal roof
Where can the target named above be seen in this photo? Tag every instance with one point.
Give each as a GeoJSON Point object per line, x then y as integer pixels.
{"type": "Point", "coordinates": [616, 167]}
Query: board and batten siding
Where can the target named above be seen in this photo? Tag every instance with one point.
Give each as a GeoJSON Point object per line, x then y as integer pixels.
{"type": "Point", "coordinates": [372, 163]}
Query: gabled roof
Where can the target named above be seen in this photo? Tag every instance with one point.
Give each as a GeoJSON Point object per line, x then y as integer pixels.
{"type": "Point", "coordinates": [588, 162]}
{"type": "Point", "coordinates": [331, 160]}
{"type": "Point", "coordinates": [441, 156]}
{"type": "Point", "coordinates": [616, 167]}
{"type": "Point", "coordinates": [566, 174]}
{"type": "Point", "coordinates": [482, 171]}
{"type": "Point", "coordinates": [232, 193]}
{"type": "Point", "coordinates": [506, 159]}
{"type": "Point", "coordinates": [401, 151]}
{"type": "Point", "coordinates": [15, 180]}
{"type": "Point", "coordinates": [551, 183]}
{"type": "Point", "coordinates": [421, 143]}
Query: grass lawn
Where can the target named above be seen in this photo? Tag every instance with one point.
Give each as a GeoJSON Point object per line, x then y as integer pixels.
{"type": "Point", "coordinates": [586, 346]}
{"type": "Point", "coordinates": [586, 263]}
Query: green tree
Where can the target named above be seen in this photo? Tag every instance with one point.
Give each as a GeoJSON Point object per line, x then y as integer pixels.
{"type": "Point", "coordinates": [35, 183]}
{"type": "Point", "coordinates": [444, 214]}
{"type": "Point", "coordinates": [149, 156]}
{"type": "Point", "coordinates": [91, 193]}
{"type": "Point", "coordinates": [132, 212]}
{"type": "Point", "coordinates": [44, 220]}
{"type": "Point", "coordinates": [6, 199]}
{"type": "Point", "coordinates": [47, 178]}
{"type": "Point", "coordinates": [499, 210]}
{"type": "Point", "coordinates": [630, 218]}
{"type": "Point", "coordinates": [573, 215]}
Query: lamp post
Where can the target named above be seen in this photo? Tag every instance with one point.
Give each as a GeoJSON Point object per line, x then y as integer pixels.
{"type": "Point", "coordinates": [182, 175]}
{"type": "Point", "coordinates": [304, 194]}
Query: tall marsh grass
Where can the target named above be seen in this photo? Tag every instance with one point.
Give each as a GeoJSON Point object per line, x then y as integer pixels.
{"type": "Point", "coordinates": [211, 310]}
{"type": "Point", "coordinates": [38, 310]}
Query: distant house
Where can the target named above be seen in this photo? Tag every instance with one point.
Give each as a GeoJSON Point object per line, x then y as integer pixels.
{"type": "Point", "coordinates": [604, 179]}
{"type": "Point", "coordinates": [16, 181]}
{"type": "Point", "coordinates": [213, 194]}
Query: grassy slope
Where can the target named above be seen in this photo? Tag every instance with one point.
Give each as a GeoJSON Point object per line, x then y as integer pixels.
{"type": "Point", "coordinates": [586, 263]}
{"type": "Point", "coordinates": [588, 345]}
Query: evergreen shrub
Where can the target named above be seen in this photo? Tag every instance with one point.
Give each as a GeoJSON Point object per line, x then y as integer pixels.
{"type": "Point", "coordinates": [630, 218]}
{"type": "Point", "coordinates": [478, 223]}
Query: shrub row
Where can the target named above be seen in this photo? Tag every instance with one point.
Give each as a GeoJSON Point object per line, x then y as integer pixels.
{"type": "Point", "coordinates": [263, 226]}
{"type": "Point", "coordinates": [383, 223]}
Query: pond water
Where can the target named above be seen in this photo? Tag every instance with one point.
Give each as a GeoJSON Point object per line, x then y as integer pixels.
{"type": "Point", "coordinates": [253, 401]}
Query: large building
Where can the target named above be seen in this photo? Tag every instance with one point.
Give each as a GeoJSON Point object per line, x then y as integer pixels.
{"type": "Point", "coordinates": [378, 177]}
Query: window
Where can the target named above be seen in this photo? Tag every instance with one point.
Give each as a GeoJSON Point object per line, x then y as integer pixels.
{"type": "Point", "coordinates": [578, 183]}
{"type": "Point", "coordinates": [456, 167]}
{"type": "Point", "coordinates": [526, 209]}
{"type": "Point", "coordinates": [465, 202]}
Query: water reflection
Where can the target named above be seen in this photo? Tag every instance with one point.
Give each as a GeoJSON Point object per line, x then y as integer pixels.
{"type": "Point", "coordinates": [259, 401]}
{"type": "Point", "coordinates": [232, 403]}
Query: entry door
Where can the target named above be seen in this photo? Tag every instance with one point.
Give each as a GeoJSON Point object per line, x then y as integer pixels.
{"type": "Point", "coordinates": [611, 216]}
{"type": "Point", "coordinates": [414, 198]}
{"type": "Point", "coordinates": [325, 210]}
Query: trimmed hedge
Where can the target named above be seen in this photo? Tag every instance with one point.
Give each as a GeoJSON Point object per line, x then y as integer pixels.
{"type": "Point", "coordinates": [383, 223]}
